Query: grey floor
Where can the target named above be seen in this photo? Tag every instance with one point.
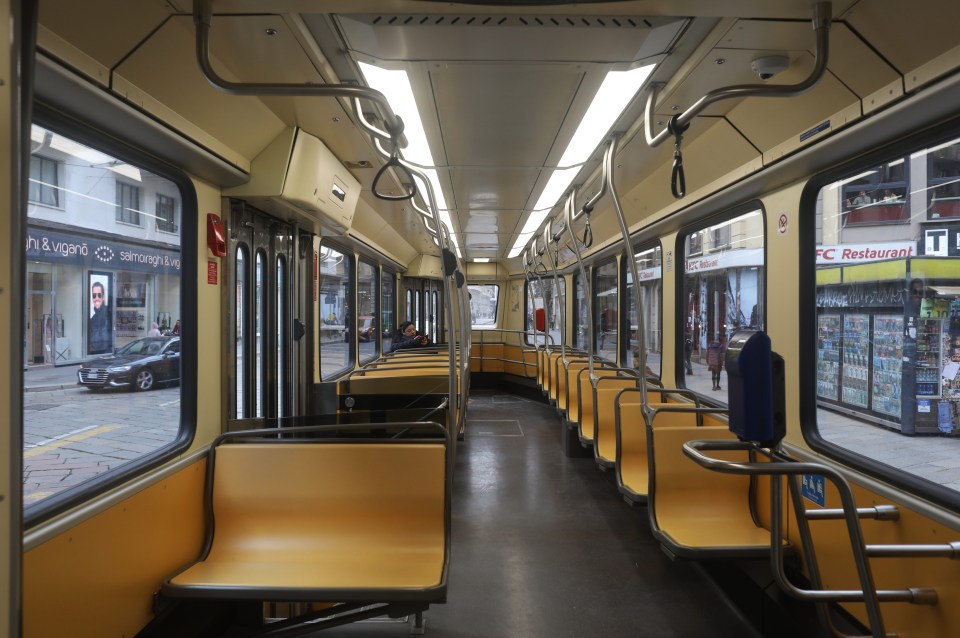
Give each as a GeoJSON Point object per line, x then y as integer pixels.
{"type": "Point", "coordinates": [543, 546]}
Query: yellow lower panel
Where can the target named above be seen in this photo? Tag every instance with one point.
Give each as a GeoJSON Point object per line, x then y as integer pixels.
{"type": "Point", "coordinates": [97, 580]}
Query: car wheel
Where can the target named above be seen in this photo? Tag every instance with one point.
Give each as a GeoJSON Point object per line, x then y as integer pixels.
{"type": "Point", "coordinates": [145, 379]}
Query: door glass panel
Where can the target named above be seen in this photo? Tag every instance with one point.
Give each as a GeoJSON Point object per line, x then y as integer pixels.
{"type": "Point", "coordinates": [387, 309]}
{"type": "Point", "coordinates": [281, 342]}
{"type": "Point", "coordinates": [241, 315]}
{"type": "Point", "coordinates": [368, 343]}
{"type": "Point", "coordinates": [259, 312]}
{"type": "Point", "coordinates": [335, 285]}
{"type": "Point", "coordinates": [607, 311]}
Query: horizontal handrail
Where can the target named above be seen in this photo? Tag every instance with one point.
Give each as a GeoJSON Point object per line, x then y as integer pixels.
{"type": "Point", "coordinates": [879, 512]}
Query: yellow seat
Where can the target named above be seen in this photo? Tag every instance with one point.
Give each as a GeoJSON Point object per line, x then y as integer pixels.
{"type": "Point", "coordinates": [696, 513]}
{"type": "Point", "coordinates": [319, 520]}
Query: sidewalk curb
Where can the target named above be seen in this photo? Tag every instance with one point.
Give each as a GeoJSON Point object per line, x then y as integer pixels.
{"type": "Point", "coordinates": [50, 388]}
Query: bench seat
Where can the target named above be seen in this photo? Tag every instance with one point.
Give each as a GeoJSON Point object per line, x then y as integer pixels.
{"type": "Point", "coordinates": [321, 520]}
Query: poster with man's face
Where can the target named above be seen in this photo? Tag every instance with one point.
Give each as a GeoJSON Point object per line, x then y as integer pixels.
{"type": "Point", "coordinates": [100, 320]}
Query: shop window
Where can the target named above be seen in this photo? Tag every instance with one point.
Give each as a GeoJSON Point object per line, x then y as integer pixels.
{"type": "Point", "coordinates": [94, 289]}
{"type": "Point", "coordinates": [651, 300]}
{"type": "Point", "coordinates": [44, 181]}
{"type": "Point", "coordinates": [368, 296]}
{"type": "Point", "coordinates": [166, 211]}
{"type": "Point", "coordinates": [128, 203]}
{"type": "Point", "coordinates": [887, 324]}
{"type": "Point", "coordinates": [483, 305]}
{"type": "Point", "coordinates": [607, 310]}
{"type": "Point", "coordinates": [723, 291]}
{"type": "Point", "coordinates": [336, 286]}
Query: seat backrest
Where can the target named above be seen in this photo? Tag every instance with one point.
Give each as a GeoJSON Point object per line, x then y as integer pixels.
{"type": "Point", "coordinates": [368, 490]}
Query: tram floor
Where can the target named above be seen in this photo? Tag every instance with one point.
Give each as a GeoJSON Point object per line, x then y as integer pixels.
{"type": "Point", "coordinates": [543, 546]}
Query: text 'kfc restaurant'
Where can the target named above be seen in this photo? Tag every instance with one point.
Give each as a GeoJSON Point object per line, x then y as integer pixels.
{"type": "Point", "coordinates": [888, 326]}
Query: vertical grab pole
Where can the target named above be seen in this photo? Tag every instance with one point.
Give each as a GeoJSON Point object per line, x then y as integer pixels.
{"type": "Point", "coordinates": [556, 286]}
{"type": "Point", "coordinates": [457, 338]}
{"type": "Point", "coordinates": [569, 206]}
{"type": "Point", "coordinates": [608, 158]}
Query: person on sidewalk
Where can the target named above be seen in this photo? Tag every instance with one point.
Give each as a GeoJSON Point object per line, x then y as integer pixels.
{"type": "Point", "coordinates": [715, 354]}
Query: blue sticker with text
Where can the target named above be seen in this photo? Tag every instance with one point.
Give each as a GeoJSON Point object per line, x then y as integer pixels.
{"type": "Point", "coordinates": [822, 126]}
{"type": "Point", "coordinates": [813, 487]}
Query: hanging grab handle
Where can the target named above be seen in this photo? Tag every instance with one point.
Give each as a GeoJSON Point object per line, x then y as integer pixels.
{"type": "Point", "coordinates": [678, 181]}
{"type": "Point", "coordinates": [394, 162]}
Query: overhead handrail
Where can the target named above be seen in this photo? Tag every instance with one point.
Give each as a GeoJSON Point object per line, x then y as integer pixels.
{"type": "Point", "coordinates": [202, 19]}
{"type": "Point", "coordinates": [681, 121]}
{"type": "Point", "coordinates": [780, 465]}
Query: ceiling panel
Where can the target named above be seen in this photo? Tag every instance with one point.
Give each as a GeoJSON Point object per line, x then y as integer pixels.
{"type": "Point", "coordinates": [502, 114]}
{"type": "Point", "coordinates": [82, 24]}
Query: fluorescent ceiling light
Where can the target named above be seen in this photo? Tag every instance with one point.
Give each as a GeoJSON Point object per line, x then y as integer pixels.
{"type": "Point", "coordinates": [615, 93]}
{"type": "Point", "coordinates": [481, 260]}
{"type": "Point", "coordinates": [395, 85]}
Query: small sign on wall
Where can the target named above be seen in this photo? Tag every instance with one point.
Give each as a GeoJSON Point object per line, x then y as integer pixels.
{"type": "Point", "coordinates": [213, 269]}
{"type": "Point", "coordinates": [812, 488]}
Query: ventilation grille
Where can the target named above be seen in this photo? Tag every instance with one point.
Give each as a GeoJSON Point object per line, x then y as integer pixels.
{"type": "Point", "coordinates": [582, 22]}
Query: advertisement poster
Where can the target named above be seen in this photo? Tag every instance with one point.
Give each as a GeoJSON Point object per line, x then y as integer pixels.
{"type": "Point", "coordinates": [100, 320]}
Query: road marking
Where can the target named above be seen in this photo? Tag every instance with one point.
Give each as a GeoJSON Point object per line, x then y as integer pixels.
{"type": "Point", "coordinates": [65, 439]}
{"type": "Point", "coordinates": [163, 405]}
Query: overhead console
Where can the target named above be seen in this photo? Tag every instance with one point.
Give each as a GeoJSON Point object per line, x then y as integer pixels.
{"type": "Point", "coordinates": [297, 178]}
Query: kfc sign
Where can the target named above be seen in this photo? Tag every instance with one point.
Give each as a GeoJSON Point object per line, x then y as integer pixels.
{"type": "Point", "coordinates": [861, 253]}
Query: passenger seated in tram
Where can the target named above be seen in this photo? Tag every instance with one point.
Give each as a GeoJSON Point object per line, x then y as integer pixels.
{"type": "Point", "coordinates": [408, 337]}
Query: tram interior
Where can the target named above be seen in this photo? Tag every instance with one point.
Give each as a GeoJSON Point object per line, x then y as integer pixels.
{"type": "Point", "coordinates": [500, 93]}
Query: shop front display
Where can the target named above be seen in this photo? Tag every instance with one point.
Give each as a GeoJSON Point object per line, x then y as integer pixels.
{"type": "Point", "coordinates": [896, 358]}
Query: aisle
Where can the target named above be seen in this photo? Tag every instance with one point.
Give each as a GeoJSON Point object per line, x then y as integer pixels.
{"type": "Point", "coordinates": [544, 547]}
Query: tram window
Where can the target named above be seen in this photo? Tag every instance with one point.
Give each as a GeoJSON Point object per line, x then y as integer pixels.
{"type": "Point", "coordinates": [606, 310]}
{"type": "Point", "coordinates": [388, 308]}
{"type": "Point", "coordinates": [580, 316]}
{"type": "Point", "coordinates": [651, 300]}
{"type": "Point", "coordinates": [554, 292]}
{"type": "Point", "coordinates": [888, 320]}
{"type": "Point", "coordinates": [723, 291]}
{"type": "Point", "coordinates": [95, 286]}
{"type": "Point", "coordinates": [336, 283]}
{"type": "Point", "coordinates": [368, 297]}
{"type": "Point", "coordinates": [483, 305]}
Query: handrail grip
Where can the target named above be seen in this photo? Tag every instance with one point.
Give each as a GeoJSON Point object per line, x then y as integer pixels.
{"type": "Point", "coordinates": [779, 466]}
{"type": "Point", "coordinates": [878, 512]}
{"type": "Point", "coordinates": [821, 24]}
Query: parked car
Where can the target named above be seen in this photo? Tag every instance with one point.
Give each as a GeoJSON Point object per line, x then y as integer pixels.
{"type": "Point", "coordinates": [139, 365]}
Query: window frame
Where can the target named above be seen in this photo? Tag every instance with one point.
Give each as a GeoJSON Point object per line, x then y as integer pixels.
{"type": "Point", "coordinates": [119, 149]}
{"type": "Point", "coordinates": [640, 248]}
{"type": "Point", "coordinates": [376, 280]}
{"type": "Point", "coordinates": [680, 309]}
{"type": "Point", "coordinates": [596, 316]}
{"type": "Point", "coordinates": [349, 261]}
{"type": "Point", "coordinates": [807, 321]}
{"type": "Point", "coordinates": [496, 307]}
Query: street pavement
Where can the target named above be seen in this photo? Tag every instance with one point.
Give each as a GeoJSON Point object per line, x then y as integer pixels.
{"type": "Point", "coordinates": [72, 435]}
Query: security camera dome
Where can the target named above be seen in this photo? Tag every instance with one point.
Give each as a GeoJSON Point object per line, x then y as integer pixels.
{"type": "Point", "coordinates": [768, 66]}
